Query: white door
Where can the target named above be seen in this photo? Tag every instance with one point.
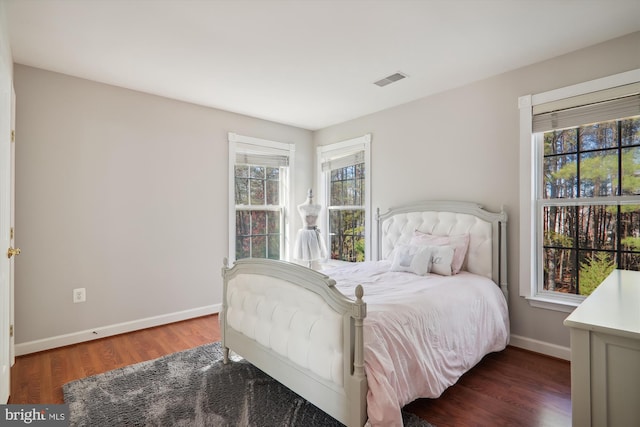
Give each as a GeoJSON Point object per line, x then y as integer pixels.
{"type": "Point", "coordinates": [12, 236]}
{"type": "Point", "coordinates": [6, 263]}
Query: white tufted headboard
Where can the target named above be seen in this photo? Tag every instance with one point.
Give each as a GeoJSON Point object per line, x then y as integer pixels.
{"type": "Point", "coordinates": [487, 254]}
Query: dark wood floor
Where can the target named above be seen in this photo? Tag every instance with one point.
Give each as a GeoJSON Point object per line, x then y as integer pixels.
{"type": "Point", "coordinates": [512, 388]}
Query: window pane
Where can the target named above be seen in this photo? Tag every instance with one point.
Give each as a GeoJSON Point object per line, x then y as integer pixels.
{"type": "Point", "coordinates": [242, 185]}
{"type": "Point", "coordinates": [558, 253]}
{"type": "Point", "coordinates": [599, 173]}
{"type": "Point", "coordinates": [347, 234]}
{"type": "Point", "coordinates": [242, 191]}
{"type": "Point", "coordinates": [274, 247]}
{"type": "Point", "coordinates": [273, 174]}
{"type": "Point", "coordinates": [630, 261]}
{"type": "Point", "coordinates": [560, 142]}
{"type": "Point", "coordinates": [273, 222]}
{"type": "Point", "coordinates": [257, 192]}
{"type": "Point", "coordinates": [630, 130]}
{"type": "Point", "coordinates": [630, 227]}
{"type": "Point", "coordinates": [258, 222]}
{"type": "Point", "coordinates": [243, 247]}
{"type": "Point", "coordinates": [598, 136]}
{"type": "Point", "coordinates": [336, 193]}
{"type": "Point", "coordinates": [559, 223]}
{"type": "Point", "coordinates": [258, 247]}
{"type": "Point", "coordinates": [597, 227]}
{"type": "Point", "coordinates": [559, 268]}
{"type": "Point", "coordinates": [242, 171]}
{"type": "Point", "coordinates": [257, 172]}
{"type": "Point", "coordinates": [243, 223]}
{"type": "Point", "coordinates": [358, 185]}
{"type": "Point", "coordinates": [273, 186]}
{"type": "Point", "coordinates": [560, 177]}
{"type": "Point", "coordinates": [273, 192]}
{"type": "Point", "coordinates": [631, 171]}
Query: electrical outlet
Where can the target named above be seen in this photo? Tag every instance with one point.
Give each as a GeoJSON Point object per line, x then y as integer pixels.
{"type": "Point", "coordinates": [79, 295]}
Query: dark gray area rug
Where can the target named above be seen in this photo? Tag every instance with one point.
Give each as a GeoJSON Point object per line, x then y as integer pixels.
{"type": "Point", "coordinates": [193, 388]}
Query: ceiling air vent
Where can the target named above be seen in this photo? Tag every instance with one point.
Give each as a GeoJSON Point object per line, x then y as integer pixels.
{"type": "Point", "coordinates": [390, 79]}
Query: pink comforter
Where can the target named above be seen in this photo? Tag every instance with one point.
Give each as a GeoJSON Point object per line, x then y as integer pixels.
{"type": "Point", "coordinates": [421, 333]}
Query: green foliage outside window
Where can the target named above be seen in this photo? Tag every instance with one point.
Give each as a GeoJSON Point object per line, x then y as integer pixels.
{"type": "Point", "coordinates": [594, 271]}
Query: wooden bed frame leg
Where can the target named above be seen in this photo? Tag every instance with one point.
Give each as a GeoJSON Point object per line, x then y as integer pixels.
{"type": "Point", "coordinates": [225, 355]}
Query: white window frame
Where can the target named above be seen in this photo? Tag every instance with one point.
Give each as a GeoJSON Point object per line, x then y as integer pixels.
{"type": "Point", "coordinates": [362, 143]}
{"type": "Point", "coordinates": [240, 143]}
{"type": "Point", "coordinates": [530, 236]}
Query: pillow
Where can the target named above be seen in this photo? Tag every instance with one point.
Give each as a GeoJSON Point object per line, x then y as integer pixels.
{"type": "Point", "coordinates": [442, 258]}
{"type": "Point", "coordinates": [460, 244]}
{"type": "Point", "coordinates": [412, 259]}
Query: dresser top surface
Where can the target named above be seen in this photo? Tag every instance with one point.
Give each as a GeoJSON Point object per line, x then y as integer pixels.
{"type": "Point", "coordinates": [614, 307]}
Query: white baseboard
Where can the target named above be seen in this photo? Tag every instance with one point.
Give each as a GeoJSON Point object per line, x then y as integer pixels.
{"type": "Point", "coordinates": [119, 328]}
{"type": "Point", "coordinates": [542, 347]}
{"type": "Point", "coordinates": [21, 349]}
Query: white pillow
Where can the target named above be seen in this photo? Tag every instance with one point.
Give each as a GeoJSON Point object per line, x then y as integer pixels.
{"type": "Point", "coordinates": [460, 244]}
{"type": "Point", "coordinates": [412, 259]}
{"type": "Point", "coordinates": [441, 260]}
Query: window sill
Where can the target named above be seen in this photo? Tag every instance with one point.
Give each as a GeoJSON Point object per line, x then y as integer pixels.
{"type": "Point", "coordinates": [556, 304]}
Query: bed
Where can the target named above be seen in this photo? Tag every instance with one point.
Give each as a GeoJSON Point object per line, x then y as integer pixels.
{"type": "Point", "coordinates": [363, 340]}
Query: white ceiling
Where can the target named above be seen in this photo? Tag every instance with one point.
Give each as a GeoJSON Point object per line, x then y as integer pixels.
{"type": "Point", "coordinates": [307, 63]}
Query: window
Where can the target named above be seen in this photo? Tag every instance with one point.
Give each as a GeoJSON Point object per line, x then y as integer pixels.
{"type": "Point", "coordinates": [345, 191]}
{"type": "Point", "coordinates": [260, 171]}
{"type": "Point", "coordinates": [597, 168]}
{"type": "Point", "coordinates": [581, 218]}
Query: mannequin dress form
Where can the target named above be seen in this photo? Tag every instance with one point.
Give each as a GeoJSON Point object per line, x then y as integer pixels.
{"type": "Point", "coordinates": [309, 245]}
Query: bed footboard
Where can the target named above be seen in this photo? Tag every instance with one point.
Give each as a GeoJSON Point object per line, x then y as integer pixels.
{"type": "Point", "coordinates": [292, 323]}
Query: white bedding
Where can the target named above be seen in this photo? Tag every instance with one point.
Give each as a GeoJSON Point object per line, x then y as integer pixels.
{"type": "Point", "coordinates": [421, 333]}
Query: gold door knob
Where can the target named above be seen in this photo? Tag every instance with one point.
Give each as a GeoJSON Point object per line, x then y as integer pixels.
{"type": "Point", "coordinates": [11, 252]}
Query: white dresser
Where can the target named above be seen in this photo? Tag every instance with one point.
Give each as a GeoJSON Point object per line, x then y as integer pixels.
{"type": "Point", "coordinates": [605, 354]}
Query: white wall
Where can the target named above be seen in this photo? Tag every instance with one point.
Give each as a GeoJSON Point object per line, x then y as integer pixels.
{"type": "Point", "coordinates": [463, 144]}
{"type": "Point", "coordinates": [124, 194]}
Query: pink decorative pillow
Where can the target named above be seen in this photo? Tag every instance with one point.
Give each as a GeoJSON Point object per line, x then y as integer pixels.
{"type": "Point", "coordinates": [460, 244]}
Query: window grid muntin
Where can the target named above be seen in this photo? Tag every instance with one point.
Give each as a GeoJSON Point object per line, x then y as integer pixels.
{"type": "Point", "coordinates": [621, 255]}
